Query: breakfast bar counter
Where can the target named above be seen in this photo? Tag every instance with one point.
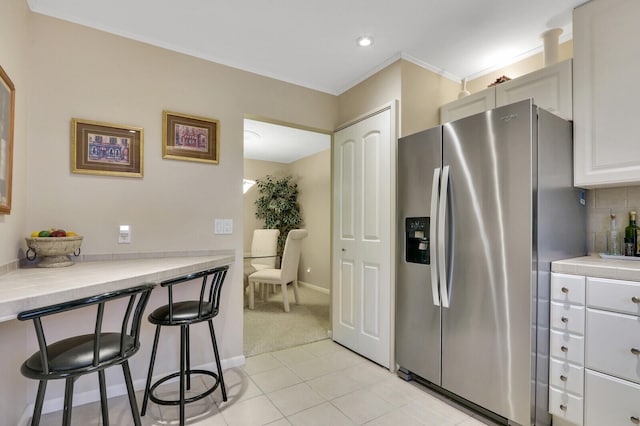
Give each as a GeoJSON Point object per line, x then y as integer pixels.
{"type": "Point", "coordinates": [32, 287]}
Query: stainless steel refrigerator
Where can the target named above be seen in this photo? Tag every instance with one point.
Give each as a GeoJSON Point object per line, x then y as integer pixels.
{"type": "Point", "coordinates": [485, 204]}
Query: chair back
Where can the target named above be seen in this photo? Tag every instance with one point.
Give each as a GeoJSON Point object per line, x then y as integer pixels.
{"type": "Point", "coordinates": [208, 302]}
{"type": "Point", "coordinates": [291, 254]}
{"type": "Point", "coordinates": [264, 243]}
{"type": "Point", "coordinates": [129, 331]}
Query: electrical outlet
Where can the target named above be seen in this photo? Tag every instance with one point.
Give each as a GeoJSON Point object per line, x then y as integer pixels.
{"type": "Point", "coordinates": [124, 235]}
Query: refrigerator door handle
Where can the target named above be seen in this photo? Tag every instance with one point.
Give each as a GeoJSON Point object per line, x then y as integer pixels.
{"type": "Point", "coordinates": [442, 249]}
{"type": "Point", "coordinates": [433, 258]}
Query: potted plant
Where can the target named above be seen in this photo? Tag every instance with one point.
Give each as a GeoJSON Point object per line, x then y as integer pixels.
{"type": "Point", "coordinates": [278, 206]}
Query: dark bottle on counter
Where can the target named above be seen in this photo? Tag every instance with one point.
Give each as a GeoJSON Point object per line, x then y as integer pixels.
{"type": "Point", "coordinates": [631, 236]}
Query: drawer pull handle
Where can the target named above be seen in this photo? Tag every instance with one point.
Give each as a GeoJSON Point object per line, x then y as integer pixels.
{"type": "Point", "coordinates": [565, 290]}
{"type": "Point", "coordinates": [635, 420]}
{"type": "Point", "coordinates": [564, 320]}
{"type": "Point", "coordinates": [635, 299]}
{"type": "Point", "coordinates": [564, 349]}
{"type": "Point", "coordinates": [563, 407]}
{"type": "Point", "coordinates": [635, 351]}
{"type": "Point", "coordinates": [563, 378]}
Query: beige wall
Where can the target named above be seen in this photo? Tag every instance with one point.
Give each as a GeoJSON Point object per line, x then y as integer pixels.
{"type": "Point", "coordinates": [314, 183]}
{"type": "Point", "coordinates": [423, 92]}
{"type": "Point", "coordinates": [68, 71]}
{"type": "Point", "coordinates": [376, 91]}
{"type": "Point", "coordinates": [313, 176]}
{"type": "Point", "coordinates": [14, 25]}
{"type": "Point", "coordinates": [14, 30]}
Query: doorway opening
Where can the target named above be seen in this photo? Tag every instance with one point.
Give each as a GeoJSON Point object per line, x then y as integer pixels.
{"type": "Point", "coordinates": [279, 150]}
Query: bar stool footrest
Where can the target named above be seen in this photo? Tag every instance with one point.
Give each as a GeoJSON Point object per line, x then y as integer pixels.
{"type": "Point", "coordinates": [194, 398]}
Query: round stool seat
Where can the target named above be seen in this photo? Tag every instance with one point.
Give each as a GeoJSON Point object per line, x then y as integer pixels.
{"type": "Point", "coordinates": [69, 356]}
{"type": "Point", "coordinates": [183, 312]}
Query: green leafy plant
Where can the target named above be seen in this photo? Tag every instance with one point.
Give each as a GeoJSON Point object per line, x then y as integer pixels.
{"type": "Point", "coordinates": [278, 206]}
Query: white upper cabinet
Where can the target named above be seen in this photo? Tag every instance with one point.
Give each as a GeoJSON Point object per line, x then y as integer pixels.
{"type": "Point", "coordinates": [606, 50]}
{"type": "Point", "coordinates": [481, 101]}
{"type": "Point", "coordinates": [549, 87]}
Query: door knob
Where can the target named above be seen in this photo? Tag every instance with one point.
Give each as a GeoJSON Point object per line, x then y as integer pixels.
{"type": "Point", "coordinates": [565, 290]}
{"type": "Point", "coordinates": [564, 320]}
{"type": "Point", "coordinates": [635, 299]}
{"type": "Point", "coordinates": [564, 349]}
{"type": "Point", "coordinates": [344, 249]}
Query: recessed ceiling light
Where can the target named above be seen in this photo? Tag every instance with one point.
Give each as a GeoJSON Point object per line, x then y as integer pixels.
{"type": "Point", "coordinates": [364, 41]}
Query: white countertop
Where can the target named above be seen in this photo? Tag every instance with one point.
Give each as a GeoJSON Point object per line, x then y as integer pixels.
{"type": "Point", "coordinates": [32, 287]}
{"type": "Point", "coordinates": [595, 266]}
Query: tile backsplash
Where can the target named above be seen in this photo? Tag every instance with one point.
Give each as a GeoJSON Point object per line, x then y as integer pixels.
{"type": "Point", "coordinates": [600, 202]}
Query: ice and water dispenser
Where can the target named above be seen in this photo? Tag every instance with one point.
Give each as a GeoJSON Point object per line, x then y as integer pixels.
{"type": "Point", "coordinates": [416, 230]}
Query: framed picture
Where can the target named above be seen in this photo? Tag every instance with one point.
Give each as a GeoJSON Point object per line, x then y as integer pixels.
{"type": "Point", "coordinates": [106, 149]}
{"type": "Point", "coordinates": [7, 113]}
{"type": "Point", "coordinates": [190, 138]}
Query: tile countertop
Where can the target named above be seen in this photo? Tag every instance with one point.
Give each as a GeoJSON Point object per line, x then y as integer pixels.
{"type": "Point", "coordinates": [28, 288]}
{"type": "Point", "coordinates": [595, 266]}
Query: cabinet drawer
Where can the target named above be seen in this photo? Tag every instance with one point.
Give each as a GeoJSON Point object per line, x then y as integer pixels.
{"type": "Point", "coordinates": [611, 401]}
{"type": "Point", "coordinates": [613, 344]}
{"type": "Point", "coordinates": [565, 406]}
{"type": "Point", "coordinates": [567, 317]}
{"type": "Point", "coordinates": [568, 288]}
{"type": "Point", "coordinates": [566, 377]}
{"type": "Point", "coordinates": [567, 347]}
{"type": "Point", "coordinates": [614, 295]}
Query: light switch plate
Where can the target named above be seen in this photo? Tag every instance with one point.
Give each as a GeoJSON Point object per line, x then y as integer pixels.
{"type": "Point", "coordinates": [124, 235]}
{"type": "Point", "coordinates": [223, 226]}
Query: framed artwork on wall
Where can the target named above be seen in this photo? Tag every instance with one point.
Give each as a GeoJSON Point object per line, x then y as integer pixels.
{"type": "Point", "coordinates": [7, 118]}
{"type": "Point", "coordinates": [190, 138]}
{"type": "Point", "coordinates": [106, 149]}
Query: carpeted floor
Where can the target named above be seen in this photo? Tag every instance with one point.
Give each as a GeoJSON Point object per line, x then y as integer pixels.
{"type": "Point", "coordinates": [268, 327]}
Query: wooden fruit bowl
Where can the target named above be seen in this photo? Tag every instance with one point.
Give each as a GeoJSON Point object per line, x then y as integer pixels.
{"type": "Point", "coordinates": [53, 251]}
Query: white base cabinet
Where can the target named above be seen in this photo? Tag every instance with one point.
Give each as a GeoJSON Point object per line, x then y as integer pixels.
{"type": "Point", "coordinates": [594, 372]}
{"type": "Point", "coordinates": [611, 401]}
{"type": "Point", "coordinates": [550, 87]}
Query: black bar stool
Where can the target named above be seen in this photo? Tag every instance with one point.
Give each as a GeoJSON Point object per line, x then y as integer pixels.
{"type": "Point", "coordinates": [75, 356]}
{"type": "Point", "coordinates": [184, 314]}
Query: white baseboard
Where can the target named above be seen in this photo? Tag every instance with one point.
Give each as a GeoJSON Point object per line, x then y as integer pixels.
{"type": "Point", "coordinates": [81, 398]}
{"type": "Point", "coordinates": [314, 287]}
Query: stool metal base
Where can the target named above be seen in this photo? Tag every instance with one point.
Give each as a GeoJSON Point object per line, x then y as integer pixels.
{"type": "Point", "coordinates": [194, 398]}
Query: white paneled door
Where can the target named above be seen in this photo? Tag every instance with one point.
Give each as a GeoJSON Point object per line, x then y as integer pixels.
{"type": "Point", "coordinates": [363, 190]}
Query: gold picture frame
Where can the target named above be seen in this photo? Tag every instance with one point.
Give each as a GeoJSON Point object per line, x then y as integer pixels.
{"type": "Point", "coordinates": [106, 149]}
{"type": "Point", "coordinates": [190, 138]}
{"type": "Point", "coordinates": [7, 118]}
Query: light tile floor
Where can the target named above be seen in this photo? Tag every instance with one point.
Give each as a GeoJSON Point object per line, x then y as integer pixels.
{"type": "Point", "coordinates": [320, 383]}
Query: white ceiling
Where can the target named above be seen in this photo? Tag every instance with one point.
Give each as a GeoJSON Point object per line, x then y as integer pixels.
{"type": "Point", "coordinates": [281, 144]}
{"type": "Point", "coordinates": [312, 43]}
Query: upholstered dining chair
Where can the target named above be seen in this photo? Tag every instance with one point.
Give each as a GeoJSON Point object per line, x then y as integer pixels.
{"type": "Point", "coordinates": [264, 252]}
{"type": "Point", "coordinates": [288, 272]}
{"type": "Point", "coordinates": [264, 248]}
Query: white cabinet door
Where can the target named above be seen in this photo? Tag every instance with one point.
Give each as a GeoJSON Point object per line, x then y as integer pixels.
{"type": "Point", "coordinates": [549, 87]}
{"type": "Point", "coordinates": [610, 401]}
{"type": "Point", "coordinates": [606, 61]}
{"type": "Point", "coordinates": [481, 101]}
{"type": "Point", "coordinates": [362, 292]}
